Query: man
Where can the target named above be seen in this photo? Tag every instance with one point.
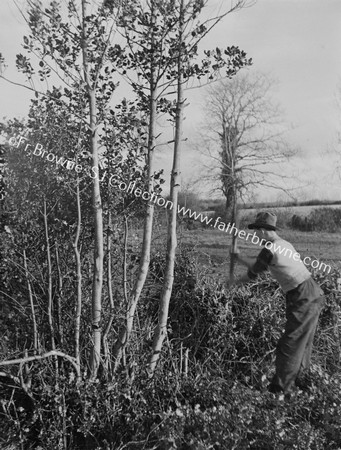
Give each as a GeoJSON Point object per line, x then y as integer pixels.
{"type": "Point", "coordinates": [304, 301]}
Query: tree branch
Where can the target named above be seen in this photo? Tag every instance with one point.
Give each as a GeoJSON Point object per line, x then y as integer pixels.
{"type": "Point", "coordinates": [43, 356]}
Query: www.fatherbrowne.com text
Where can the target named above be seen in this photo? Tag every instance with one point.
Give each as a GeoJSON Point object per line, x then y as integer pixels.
{"type": "Point", "coordinates": [216, 223]}
{"type": "Point", "coordinates": [162, 202]}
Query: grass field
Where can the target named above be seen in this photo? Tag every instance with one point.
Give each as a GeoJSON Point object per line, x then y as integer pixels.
{"type": "Point", "coordinates": [213, 246]}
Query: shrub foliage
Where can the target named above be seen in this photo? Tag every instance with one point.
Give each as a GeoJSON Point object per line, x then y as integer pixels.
{"type": "Point", "coordinates": [217, 399]}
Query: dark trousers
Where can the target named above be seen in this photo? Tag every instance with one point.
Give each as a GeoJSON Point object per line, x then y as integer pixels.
{"type": "Point", "coordinates": [293, 352]}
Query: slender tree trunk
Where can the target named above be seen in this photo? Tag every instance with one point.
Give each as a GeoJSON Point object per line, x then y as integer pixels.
{"type": "Point", "coordinates": [161, 328]}
{"type": "Point", "coordinates": [49, 280]}
{"type": "Point", "coordinates": [125, 250]}
{"type": "Point", "coordinates": [98, 251]}
{"type": "Point", "coordinates": [97, 207]}
{"type": "Point", "coordinates": [59, 297]}
{"type": "Point", "coordinates": [126, 330]}
{"type": "Point", "coordinates": [78, 308]}
{"type": "Point", "coordinates": [30, 295]}
{"type": "Point", "coordinates": [49, 291]}
{"type": "Point", "coordinates": [235, 221]}
{"type": "Point", "coordinates": [229, 177]}
{"type": "Point", "coordinates": [234, 217]}
{"type": "Point", "coordinates": [106, 355]}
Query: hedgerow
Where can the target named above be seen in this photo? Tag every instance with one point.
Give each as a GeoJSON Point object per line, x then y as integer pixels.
{"type": "Point", "coordinates": [214, 398]}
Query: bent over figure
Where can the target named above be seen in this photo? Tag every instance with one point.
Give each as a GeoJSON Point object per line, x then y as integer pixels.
{"type": "Point", "coordinates": [304, 301]}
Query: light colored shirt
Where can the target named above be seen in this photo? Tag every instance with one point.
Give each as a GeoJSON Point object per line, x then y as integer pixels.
{"type": "Point", "coordinates": [283, 262]}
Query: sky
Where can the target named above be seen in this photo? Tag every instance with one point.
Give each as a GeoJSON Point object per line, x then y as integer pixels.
{"type": "Point", "coordinates": [294, 41]}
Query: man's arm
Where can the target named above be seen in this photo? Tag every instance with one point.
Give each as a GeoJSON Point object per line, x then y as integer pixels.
{"type": "Point", "coordinates": [245, 260]}
{"type": "Point", "coordinates": [261, 265]}
{"type": "Point", "coordinates": [255, 265]}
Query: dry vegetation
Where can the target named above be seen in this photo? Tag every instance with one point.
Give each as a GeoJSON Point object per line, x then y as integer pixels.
{"type": "Point", "coordinates": [210, 388]}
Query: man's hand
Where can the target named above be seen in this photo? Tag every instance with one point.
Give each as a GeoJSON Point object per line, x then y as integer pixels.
{"type": "Point", "coordinates": [245, 260]}
{"type": "Point", "coordinates": [239, 281]}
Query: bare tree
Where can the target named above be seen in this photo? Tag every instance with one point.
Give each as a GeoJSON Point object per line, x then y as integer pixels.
{"type": "Point", "coordinates": [246, 134]}
{"type": "Point", "coordinates": [245, 138]}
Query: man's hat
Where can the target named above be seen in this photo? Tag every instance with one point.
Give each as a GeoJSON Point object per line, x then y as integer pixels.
{"type": "Point", "coordinates": [266, 220]}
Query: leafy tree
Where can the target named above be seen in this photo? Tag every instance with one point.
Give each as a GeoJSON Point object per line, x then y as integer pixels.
{"type": "Point", "coordinates": [81, 53]}
{"type": "Point", "coordinates": [75, 50]}
{"type": "Point", "coordinates": [187, 36]}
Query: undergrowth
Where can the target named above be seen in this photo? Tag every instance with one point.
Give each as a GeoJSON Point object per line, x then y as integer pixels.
{"type": "Point", "coordinates": [210, 388]}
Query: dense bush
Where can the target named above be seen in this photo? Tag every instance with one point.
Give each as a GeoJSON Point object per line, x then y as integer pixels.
{"type": "Point", "coordinates": [193, 412]}
{"type": "Point", "coordinates": [219, 402]}
{"type": "Point", "coordinates": [321, 219]}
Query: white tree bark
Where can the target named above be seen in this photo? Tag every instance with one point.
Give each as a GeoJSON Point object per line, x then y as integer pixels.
{"type": "Point", "coordinates": [161, 328]}
{"type": "Point", "coordinates": [97, 283]}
